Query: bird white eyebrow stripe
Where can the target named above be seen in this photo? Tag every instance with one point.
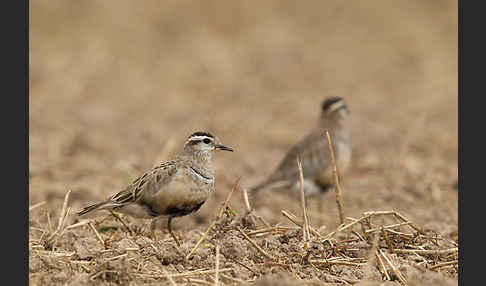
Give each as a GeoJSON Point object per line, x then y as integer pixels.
{"type": "Point", "coordinates": [336, 106]}
{"type": "Point", "coordinates": [199, 138]}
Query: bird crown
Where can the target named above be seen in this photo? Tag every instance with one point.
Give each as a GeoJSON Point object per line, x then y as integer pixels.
{"type": "Point", "coordinates": [332, 103]}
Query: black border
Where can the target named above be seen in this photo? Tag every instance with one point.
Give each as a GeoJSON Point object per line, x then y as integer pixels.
{"type": "Point", "coordinates": [22, 69]}
{"type": "Point", "coordinates": [471, 120]}
{"type": "Point", "coordinates": [15, 133]}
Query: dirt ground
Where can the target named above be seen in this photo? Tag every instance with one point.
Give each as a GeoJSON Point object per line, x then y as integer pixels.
{"type": "Point", "coordinates": [116, 87]}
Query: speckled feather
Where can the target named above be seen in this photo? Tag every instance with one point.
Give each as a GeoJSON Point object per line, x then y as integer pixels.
{"type": "Point", "coordinates": [134, 191]}
{"type": "Point", "coordinates": [174, 188]}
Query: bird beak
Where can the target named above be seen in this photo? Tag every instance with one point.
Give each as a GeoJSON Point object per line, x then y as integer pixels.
{"type": "Point", "coordinates": [224, 148]}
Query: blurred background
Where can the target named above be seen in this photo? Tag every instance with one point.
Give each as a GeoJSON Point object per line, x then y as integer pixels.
{"type": "Point", "coordinates": [117, 86]}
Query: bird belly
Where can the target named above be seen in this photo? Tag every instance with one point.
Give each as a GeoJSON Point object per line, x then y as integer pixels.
{"type": "Point", "coordinates": [180, 197]}
{"type": "Point", "coordinates": [136, 211]}
{"type": "Point", "coordinates": [325, 177]}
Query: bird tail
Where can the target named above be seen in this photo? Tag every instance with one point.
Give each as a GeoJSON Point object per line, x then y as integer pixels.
{"type": "Point", "coordinates": [90, 208]}
{"type": "Point", "coordinates": [268, 185]}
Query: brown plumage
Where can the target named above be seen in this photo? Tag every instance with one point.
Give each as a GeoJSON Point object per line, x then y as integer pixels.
{"type": "Point", "coordinates": [313, 152]}
{"type": "Point", "coordinates": [172, 189]}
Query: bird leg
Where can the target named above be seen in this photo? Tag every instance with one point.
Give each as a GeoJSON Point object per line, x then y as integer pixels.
{"type": "Point", "coordinates": [169, 228]}
{"type": "Point", "coordinates": [152, 229]}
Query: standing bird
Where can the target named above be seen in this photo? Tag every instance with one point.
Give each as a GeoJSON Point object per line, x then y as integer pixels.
{"type": "Point", "coordinates": [313, 151]}
{"type": "Point", "coordinates": [172, 189]}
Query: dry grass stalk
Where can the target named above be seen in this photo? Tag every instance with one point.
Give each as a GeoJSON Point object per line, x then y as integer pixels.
{"type": "Point", "coordinates": [427, 252]}
{"type": "Point", "coordinates": [415, 244]}
{"type": "Point", "coordinates": [35, 247]}
{"type": "Point", "coordinates": [216, 267]}
{"type": "Point", "coordinates": [61, 230]}
{"type": "Point", "coordinates": [54, 254]}
{"type": "Point", "coordinates": [220, 214]}
{"type": "Point", "coordinates": [404, 219]}
{"type": "Point", "coordinates": [371, 258]}
{"type": "Point", "coordinates": [79, 262]}
{"type": "Point", "coordinates": [393, 268]}
{"type": "Point", "coordinates": [337, 187]}
{"type": "Point", "coordinates": [401, 234]}
{"type": "Point", "coordinates": [81, 223]}
{"type": "Point", "coordinates": [359, 236]}
{"type": "Point", "coordinates": [370, 214]}
{"type": "Point", "coordinates": [49, 224]}
{"type": "Point", "coordinates": [424, 261]}
{"type": "Point", "coordinates": [203, 235]}
{"type": "Point", "coordinates": [294, 219]}
{"type": "Point", "coordinates": [387, 239]}
{"type": "Point", "coordinates": [63, 215]}
{"type": "Point", "coordinates": [117, 217]}
{"type": "Point", "coordinates": [397, 215]}
{"type": "Point", "coordinates": [36, 205]}
{"type": "Point", "coordinates": [249, 212]}
{"type": "Point", "coordinates": [198, 281]}
{"type": "Point", "coordinates": [387, 227]}
{"type": "Point", "coordinates": [181, 275]}
{"type": "Point", "coordinates": [339, 258]}
{"type": "Point", "coordinates": [98, 236]}
{"type": "Point", "coordinates": [305, 226]}
{"type": "Point", "coordinates": [344, 227]}
{"type": "Point", "coordinates": [444, 264]}
{"type": "Point", "coordinates": [247, 202]}
{"type": "Point", "coordinates": [255, 244]}
{"type": "Point", "coordinates": [62, 218]}
{"type": "Point", "coordinates": [264, 222]}
{"type": "Point", "coordinates": [228, 197]}
{"type": "Point", "coordinates": [117, 257]}
{"type": "Point", "coordinates": [339, 262]}
{"type": "Point", "coordinates": [271, 230]}
{"type": "Point", "coordinates": [381, 265]}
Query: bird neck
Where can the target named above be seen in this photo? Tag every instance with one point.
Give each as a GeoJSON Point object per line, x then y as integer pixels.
{"type": "Point", "coordinates": [336, 126]}
{"type": "Point", "coordinates": [201, 161]}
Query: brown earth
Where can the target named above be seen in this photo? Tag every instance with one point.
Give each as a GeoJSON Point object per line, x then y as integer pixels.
{"type": "Point", "coordinates": [116, 86]}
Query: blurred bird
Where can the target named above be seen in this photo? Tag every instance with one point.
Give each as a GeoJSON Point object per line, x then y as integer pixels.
{"type": "Point", "coordinates": [172, 189]}
{"type": "Point", "coordinates": [313, 151]}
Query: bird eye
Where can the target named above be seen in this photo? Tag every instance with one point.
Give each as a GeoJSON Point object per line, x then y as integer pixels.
{"type": "Point", "coordinates": [206, 140]}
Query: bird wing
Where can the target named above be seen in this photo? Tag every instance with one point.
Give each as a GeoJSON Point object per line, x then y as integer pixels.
{"type": "Point", "coordinates": [308, 149]}
{"type": "Point", "coordinates": [138, 187]}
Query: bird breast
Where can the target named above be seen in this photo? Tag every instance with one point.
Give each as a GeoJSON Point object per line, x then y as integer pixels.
{"type": "Point", "coordinates": [186, 188]}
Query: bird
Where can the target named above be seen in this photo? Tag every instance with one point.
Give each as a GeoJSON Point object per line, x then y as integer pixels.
{"type": "Point", "coordinates": [171, 189]}
{"type": "Point", "coordinates": [313, 152]}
